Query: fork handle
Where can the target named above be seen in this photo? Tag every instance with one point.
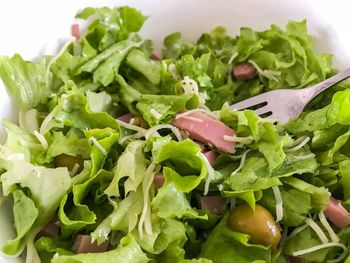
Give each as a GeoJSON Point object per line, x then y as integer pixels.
{"type": "Point", "coordinates": [313, 91]}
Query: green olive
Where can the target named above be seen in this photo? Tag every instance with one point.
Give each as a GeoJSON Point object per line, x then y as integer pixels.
{"type": "Point", "coordinates": [69, 161]}
{"type": "Point", "coordinates": [259, 224]}
{"type": "Point", "coordinates": [139, 121]}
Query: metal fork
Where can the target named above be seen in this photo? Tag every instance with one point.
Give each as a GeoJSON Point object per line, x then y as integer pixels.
{"type": "Point", "coordinates": [284, 104]}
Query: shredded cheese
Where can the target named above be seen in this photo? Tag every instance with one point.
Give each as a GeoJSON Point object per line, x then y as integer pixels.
{"type": "Point", "coordinates": [156, 114]}
{"type": "Point", "coordinates": [279, 203]}
{"type": "Point", "coordinates": [299, 146]}
{"type": "Point", "coordinates": [41, 139]}
{"type": "Point", "coordinates": [297, 231]}
{"type": "Point", "coordinates": [329, 229]}
{"type": "Point", "coordinates": [269, 74]}
{"type": "Point", "coordinates": [210, 173]}
{"type": "Point", "coordinates": [232, 203]}
{"type": "Point", "coordinates": [127, 137]}
{"type": "Point", "coordinates": [173, 72]}
{"type": "Point", "coordinates": [30, 145]}
{"type": "Point", "coordinates": [132, 127]}
{"type": "Point", "coordinates": [244, 155]}
{"type": "Point", "coordinates": [234, 55]}
{"type": "Point", "coordinates": [204, 111]}
{"type": "Point", "coordinates": [47, 120]}
{"type": "Point", "coordinates": [298, 140]}
{"type": "Point", "coordinates": [322, 246]}
{"type": "Point", "coordinates": [74, 170]}
{"type": "Point", "coordinates": [203, 97]}
{"type": "Point", "coordinates": [304, 157]}
{"type": "Point", "coordinates": [98, 145]}
{"type": "Point", "coordinates": [242, 140]}
{"type": "Point", "coordinates": [321, 235]}
{"type": "Point", "coordinates": [146, 185]}
{"type": "Point", "coordinates": [16, 157]}
{"type": "Point", "coordinates": [154, 129]}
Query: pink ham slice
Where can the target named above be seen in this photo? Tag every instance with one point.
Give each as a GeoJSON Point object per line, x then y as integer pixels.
{"type": "Point", "coordinates": [158, 180]}
{"type": "Point", "coordinates": [211, 156]}
{"type": "Point", "coordinates": [209, 131]}
{"type": "Point", "coordinates": [126, 117]}
{"type": "Point", "coordinates": [82, 244]}
{"type": "Point", "coordinates": [336, 213]}
{"type": "Point", "coordinates": [214, 204]}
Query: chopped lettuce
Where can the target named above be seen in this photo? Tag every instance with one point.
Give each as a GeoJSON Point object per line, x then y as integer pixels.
{"type": "Point", "coordinates": [127, 251]}
{"type": "Point", "coordinates": [26, 81]}
{"type": "Point", "coordinates": [39, 206]}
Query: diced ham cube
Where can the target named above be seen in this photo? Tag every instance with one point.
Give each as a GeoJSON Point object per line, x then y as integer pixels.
{"type": "Point", "coordinates": [82, 244]}
{"type": "Point", "coordinates": [244, 71]}
{"type": "Point", "coordinates": [158, 180]}
{"type": "Point", "coordinates": [211, 156]}
{"type": "Point", "coordinates": [75, 31]}
{"type": "Point", "coordinates": [336, 213]}
{"type": "Point", "coordinates": [214, 204]}
{"type": "Point", "coordinates": [51, 229]}
{"type": "Point", "coordinates": [154, 57]}
{"type": "Point", "coordinates": [209, 130]}
{"type": "Point", "coordinates": [297, 260]}
{"type": "Point", "coordinates": [126, 117]}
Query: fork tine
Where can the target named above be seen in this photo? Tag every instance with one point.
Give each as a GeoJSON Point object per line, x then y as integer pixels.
{"type": "Point", "coordinates": [249, 102]}
{"type": "Point", "coordinates": [263, 110]}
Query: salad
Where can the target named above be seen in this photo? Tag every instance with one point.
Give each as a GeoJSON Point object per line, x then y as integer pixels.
{"type": "Point", "coordinates": [120, 155]}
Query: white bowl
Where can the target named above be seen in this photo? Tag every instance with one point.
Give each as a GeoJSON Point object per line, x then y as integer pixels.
{"type": "Point", "coordinates": [37, 27]}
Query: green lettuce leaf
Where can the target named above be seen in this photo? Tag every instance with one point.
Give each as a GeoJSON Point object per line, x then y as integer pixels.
{"type": "Point", "coordinates": [80, 215]}
{"type": "Point", "coordinates": [255, 176]}
{"type": "Point", "coordinates": [47, 247]}
{"type": "Point", "coordinates": [168, 236]}
{"type": "Point", "coordinates": [164, 105]}
{"type": "Point", "coordinates": [268, 138]}
{"type": "Point", "coordinates": [171, 202]}
{"type": "Point", "coordinates": [188, 168]}
{"type": "Point", "coordinates": [127, 251]}
{"type": "Point", "coordinates": [338, 109]}
{"type": "Point", "coordinates": [98, 102]}
{"type": "Point", "coordinates": [24, 213]}
{"type": "Point", "coordinates": [21, 141]}
{"type": "Point", "coordinates": [69, 144]}
{"type": "Point", "coordinates": [124, 216]}
{"type": "Point", "coordinates": [112, 24]}
{"type": "Point", "coordinates": [131, 164]}
{"type": "Point", "coordinates": [306, 239]}
{"type": "Point", "coordinates": [137, 60]}
{"type": "Point", "coordinates": [26, 81]}
{"type": "Point", "coordinates": [75, 112]}
{"type": "Point", "coordinates": [20, 173]}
